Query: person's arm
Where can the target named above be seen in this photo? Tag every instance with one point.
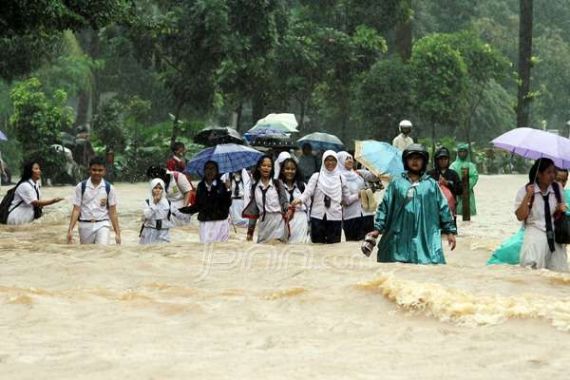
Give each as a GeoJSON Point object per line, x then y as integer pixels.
{"type": "Point", "coordinates": [473, 176]}
{"type": "Point", "coordinates": [46, 202]}
{"type": "Point", "coordinates": [115, 222]}
{"type": "Point", "coordinates": [447, 225]}
{"type": "Point", "coordinates": [457, 185]}
{"type": "Point", "coordinates": [309, 191]}
{"type": "Point", "coordinates": [72, 221]}
{"type": "Point", "coordinates": [523, 200]}
{"type": "Point", "coordinates": [348, 197]}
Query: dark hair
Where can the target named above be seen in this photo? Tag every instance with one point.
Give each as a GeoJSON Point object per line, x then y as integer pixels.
{"type": "Point", "coordinates": [177, 145]}
{"type": "Point", "coordinates": [539, 166]}
{"type": "Point", "coordinates": [257, 172]}
{"type": "Point", "coordinates": [97, 160]}
{"type": "Point", "coordinates": [215, 164]}
{"type": "Point", "coordinates": [306, 145]}
{"type": "Point", "coordinates": [155, 171]}
{"type": "Point", "coordinates": [27, 170]}
{"type": "Point", "coordinates": [298, 175]}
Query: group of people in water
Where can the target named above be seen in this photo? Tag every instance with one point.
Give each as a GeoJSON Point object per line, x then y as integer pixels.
{"type": "Point", "coordinates": [275, 201]}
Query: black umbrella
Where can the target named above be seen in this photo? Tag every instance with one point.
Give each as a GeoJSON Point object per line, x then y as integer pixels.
{"type": "Point", "coordinates": [218, 135]}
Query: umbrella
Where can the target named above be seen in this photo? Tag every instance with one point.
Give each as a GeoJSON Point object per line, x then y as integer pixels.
{"type": "Point", "coordinates": [230, 158]}
{"type": "Point", "coordinates": [534, 144]}
{"type": "Point", "coordinates": [265, 132]}
{"type": "Point", "coordinates": [3, 136]}
{"type": "Point", "coordinates": [285, 122]}
{"type": "Point", "coordinates": [379, 157]}
{"type": "Point", "coordinates": [218, 135]}
{"type": "Point", "coordinates": [322, 141]}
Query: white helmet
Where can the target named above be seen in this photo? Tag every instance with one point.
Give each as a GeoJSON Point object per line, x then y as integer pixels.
{"type": "Point", "coordinates": [405, 124]}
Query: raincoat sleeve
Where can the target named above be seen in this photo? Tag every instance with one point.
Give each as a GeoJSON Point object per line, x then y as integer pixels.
{"type": "Point", "coordinates": [473, 175]}
{"type": "Point", "coordinates": [383, 207]}
{"type": "Point", "coordinates": [445, 219]}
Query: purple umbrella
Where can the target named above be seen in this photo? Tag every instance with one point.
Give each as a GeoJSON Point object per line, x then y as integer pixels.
{"type": "Point", "coordinates": [3, 136]}
{"type": "Point", "coordinates": [536, 143]}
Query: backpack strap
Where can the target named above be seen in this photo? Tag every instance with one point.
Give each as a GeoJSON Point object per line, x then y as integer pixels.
{"type": "Point", "coordinates": [169, 208]}
{"type": "Point", "coordinates": [107, 189]}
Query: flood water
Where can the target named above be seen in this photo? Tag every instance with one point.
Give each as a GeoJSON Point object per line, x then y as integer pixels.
{"type": "Point", "coordinates": [243, 310]}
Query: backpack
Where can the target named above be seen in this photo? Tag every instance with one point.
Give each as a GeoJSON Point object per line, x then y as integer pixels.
{"type": "Point", "coordinates": [192, 199]}
{"type": "Point", "coordinates": [107, 189]}
{"type": "Point", "coordinates": [6, 203]}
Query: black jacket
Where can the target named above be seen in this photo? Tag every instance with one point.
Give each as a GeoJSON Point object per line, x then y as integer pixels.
{"type": "Point", "coordinates": [452, 179]}
{"type": "Point", "coordinates": [211, 205]}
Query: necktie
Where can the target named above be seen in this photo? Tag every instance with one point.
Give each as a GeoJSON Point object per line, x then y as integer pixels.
{"type": "Point", "coordinates": [263, 199]}
{"type": "Point", "coordinates": [548, 219]}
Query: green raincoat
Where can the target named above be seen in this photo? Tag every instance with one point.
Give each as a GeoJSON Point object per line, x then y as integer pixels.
{"type": "Point", "coordinates": [411, 219]}
{"type": "Point", "coordinates": [458, 165]}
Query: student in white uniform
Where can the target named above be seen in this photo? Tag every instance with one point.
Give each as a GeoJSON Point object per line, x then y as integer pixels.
{"type": "Point", "coordinates": [267, 205]}
{"type": "Point", "coordinates": [356, 222]}
{"type": "Point", "coordinates": [535, 206]}
{"type": "Point", "coordinates": [213, 201]}
{"type": "Point", "coordinates": [328, 190]}
{"type": "Point", "coordinates": [27, 203]}
{"type": "Point", "coordinates": [157, 214]}
{"type": "Point", "coordinates": [239, 182]}
{"type": "Point", "coordinates": [292, 180]}
{"type": "Point", "coordinates": [178, 190]}
{"type": "Point", "coordinates": [95, 207]}
{"type": "Point", "coordinates": [279, 163]}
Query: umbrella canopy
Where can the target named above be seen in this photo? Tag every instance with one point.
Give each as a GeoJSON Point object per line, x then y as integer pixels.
{"type": "Point", "coordinates": [534, 144]}
{"type": "Point", "coordinates": [218, 135]}
{"type": "Point", "coordinates": [265, 132]}
{"type": "Point", "coordinates": [379, 157]}
{"type": "Point", "coordinates": [230, 158]}
{"type": "Point", "coordinates": [285, 122]}
{"type": "Point", "coordinates": [3, 136]}
{"type": "Point", "coordinates": [322, 141]}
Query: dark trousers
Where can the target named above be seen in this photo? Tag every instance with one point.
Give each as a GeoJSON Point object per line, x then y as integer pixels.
{"type": "Point", "coordinates": [324, 231]}
{"type": "Point", "coordinates": [355, 229]}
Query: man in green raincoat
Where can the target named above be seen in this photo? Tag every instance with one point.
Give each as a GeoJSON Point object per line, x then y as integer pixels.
{"type": "Point", "coordinates": [461, 162]}
{"type": "Point", "coordinates": [413, 215]}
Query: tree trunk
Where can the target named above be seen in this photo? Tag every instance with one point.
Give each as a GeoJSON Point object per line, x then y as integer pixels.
{"type": "Point", "coordinates": [404, 39]}
{"type": "Point", "coordinates": [82, 107]}
{"type": "Point", "coordinates": [238, 111]}
{"type": "Point", "coordinates": [257, 107]}
{"type": "Point", "coordinates": [525, 54]}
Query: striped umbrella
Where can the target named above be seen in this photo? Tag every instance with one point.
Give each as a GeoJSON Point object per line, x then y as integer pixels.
{"type": "Point", "coordinates": [229, 157]}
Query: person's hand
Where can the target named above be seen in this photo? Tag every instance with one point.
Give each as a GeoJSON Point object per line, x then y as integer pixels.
{"type": "Point", "coordinates": [530, 190]}
{"type": "Point", "coordinates": [296, 202]}
{"type": "Point", "coordinates": [118, 239]}
{"type": "Point", "coordinates": [290, 213]}
{"type": "Point", "coordinates": [374, 234]}
{"type": "Point", "coordinates": [69, 237]}
{"type": "Point", "coordinates": [561, 207]}
{"type": "Point", "coordinates": [58, 199]}
{"type": "Point", "coordinates": [451, 241]}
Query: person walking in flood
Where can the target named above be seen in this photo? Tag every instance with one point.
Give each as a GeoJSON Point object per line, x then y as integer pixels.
{"type": "Point", "coordinates": [536, 205]}
{"type": "Point", "coordinates": [448, 179]}
{"type": "Point", "coordinates": [213, 202]}
{"type": "Point", "coordinates": [95, 207]}
{"type": "Point", "coordinates": [178, 190]}
{"type": "Point", "coordinates": [157, 213]}
{"type": "Point", "coordinates": [413, 216]}
{"type": "Point", "coordinates": [464, 162]}
{"type": "Point", "coordinates": [292, 180]}
{"type": "Point", "coordinates": [27, 203]}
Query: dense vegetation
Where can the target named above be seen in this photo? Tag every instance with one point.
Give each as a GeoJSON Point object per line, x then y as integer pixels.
{"type": "Point", "coordinates": [142, 73]}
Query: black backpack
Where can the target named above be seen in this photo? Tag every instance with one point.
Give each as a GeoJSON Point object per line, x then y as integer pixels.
{"type": "Point", "coordinates": [6, 203]}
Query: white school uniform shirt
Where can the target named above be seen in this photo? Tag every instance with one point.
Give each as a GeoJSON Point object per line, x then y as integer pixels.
{"type": "Point", "coordinates": [354, 210]}
{"type": "Point", "coordinates": [26, 194]}
{"type": "Point", "coordinates": [296, 194]}
{"type": "Point", "coordinates": [402, 141]}
{"type": "Point", "coordinates": [318, 209]}
{"type": "Point", "coordinates": [177, 188]}
{"type": "Point", "coordinates": [93, 203]}
{"type": "Point", "coordinates": [271, 198]}
{"type": "Point", "coordinates": [536, 216]}
{"type": "Point", "coordinates": [157, 211]}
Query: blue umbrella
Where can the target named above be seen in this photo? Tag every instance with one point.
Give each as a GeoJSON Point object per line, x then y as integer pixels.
{"type": "Point", "coordinates": [322, 141]}
{"type": "Point", "coordinates": [265, 132]}
{"type": "Point", "coordinates": [3, 136]}
{"type": "Point", "coordinates": [230, 158]}
{"type": "Point", "coordinates": [379, 157]}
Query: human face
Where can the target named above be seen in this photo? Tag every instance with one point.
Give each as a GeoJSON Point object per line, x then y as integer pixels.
{"type": "Point", "coordinates": [289, 171]}
{"type": "Point", "coordinates": [443, 162]}
{"type": "Point", "coordinates": [265, 168]}
{"type": "Point", "coordinates": [210, 172]}
{"type": "Point", "coordinates": [157, 190]}
{"type": "Point", "coordinates": [307, 150]}
{"type": "Point", "coordinates": [406, 130]}
{"type": "Point", "coordinates": [97, 172]}
{"type": "Point", "coordinates": [330, 163]}
{"type": "Point", "coordinates": [415, 162]}
{"type": "Point", "coordinates": [547, 176]}
{"type": "Point", "coordinates": [462, 154]}
{"type": "Point", "coordinates": [180, 152]}
{"type": "Point", "coordinates": [36, 172]}
{"type": "Point", "coordinates": [349, 163]}
{"type": "Point", "coordinates": [562, 178]}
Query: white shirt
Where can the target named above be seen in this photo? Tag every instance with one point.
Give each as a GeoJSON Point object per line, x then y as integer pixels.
{"type": "Point", "coordinates": [271, 198]}
{"type": "Point", "coordinates": [93, 202]}
{"type": "Point", "coordinates": [296, 192]}
{"type": "Point", "coordinates": [176, 188]}
{"type": "Point", "coordinates": [318, 209]}
{"type": "Point", "coordinates": [157, 211]}
{"type": "Point", "coordinates": [354, 210]}
{"type": "Point", "coordinates": [402, 141]}
{"type": "Point", "coordinates": [536, 216]}
{"type": "Point", "coordinates": [24, 196]}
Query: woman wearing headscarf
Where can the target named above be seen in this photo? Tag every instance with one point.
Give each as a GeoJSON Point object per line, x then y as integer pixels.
{"type": "Point", "coordinates": [27, 205]}
{"type": "Point", "coordinates": [327, 189]}
{"type": "Point", "coordinates": [213, 201]}
{"type": "Point", "coordinates": [156, 215]}
{"type": "Point", "coordinates": [279, 162]}
{"type": "Point", "coordinates": [356, 222]}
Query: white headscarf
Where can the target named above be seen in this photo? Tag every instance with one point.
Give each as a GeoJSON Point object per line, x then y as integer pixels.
{"type": "Point", "coordinates": [282, 157]}
{"type": "Point", "coordinates": [350, 175]}
{"type": "Point", "coordinates": [153, 183]}
{"type": "Point", "coordinates": [329, 181]}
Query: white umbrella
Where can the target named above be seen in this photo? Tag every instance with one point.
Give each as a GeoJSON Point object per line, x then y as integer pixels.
{"type": "Point", "coordinates": [285, 122]}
